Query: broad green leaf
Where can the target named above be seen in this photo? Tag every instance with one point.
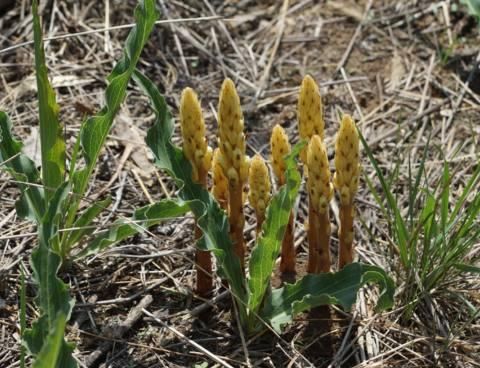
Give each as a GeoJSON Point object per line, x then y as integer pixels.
{"type": "Point", "coordinates": [52, 294]}
{"type": "Point", "coordinates": [82, 224]}
{"type": "Point", "coordinates": [339, 288]}
{"type": "Point", "coordinates": [141, 220]}
{"type": "Point", "coordinates": [267, 249]}
{"type": "Point", "coordinates": [52, 353]}
{"type": "Point", "coordinates": [51, 135]}
{"type": "Point", "coordinates": [210, 217]}
{"type": "Point", "coordinates": [95, 129]}
{"type": "Point", "coordinates": [31, 204]}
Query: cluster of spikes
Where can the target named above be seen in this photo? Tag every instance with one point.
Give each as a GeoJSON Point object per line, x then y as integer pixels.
{"type": "Point", "coordinates": [232, 170]}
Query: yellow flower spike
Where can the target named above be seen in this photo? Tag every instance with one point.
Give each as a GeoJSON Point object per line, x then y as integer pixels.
{"type": "Point", "coordinates": [259, 193]}
{"type": "Point", "coordinates": [280, 147]}
{"type": "Point", "coordinates": [193, 133]}
{"type": "Point", "coordinates": [320, 193]}
{"type": "Point", "coordinates": [233, 161]}
{"type": "Point", "coordinates": [220, 183]}
{"type": "Point", "coordinates": [345, 180]}
{"type": "Point", "coordinates": [310, 112]}
{"type": "Point", "coordinates": [196, 150]}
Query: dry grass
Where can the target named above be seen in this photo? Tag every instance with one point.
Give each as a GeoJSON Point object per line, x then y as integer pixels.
{"type": "Point", "coordinates": [405, 70]}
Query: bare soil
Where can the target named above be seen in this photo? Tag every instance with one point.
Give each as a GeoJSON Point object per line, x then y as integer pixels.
{"type": "Point", "coordinates": [406, 71]}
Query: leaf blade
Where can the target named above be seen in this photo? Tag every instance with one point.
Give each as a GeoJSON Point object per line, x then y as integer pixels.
{"type": "Point", "coordinates": [267, 249]}
{"type": "Point", "coordinates": [54, 348]}
{"type": "Point", "coordinates": [142, 219]}
{"type": "Point", "coordinates": [326, 288]}
{"type": "Point", "coordinates": [210, 217]}
{"type": "Point", "coordinates": [82, 223]}
{"type": "Point", "coordinates": [52, 293]}
{"type": "Point", "coordinates": [96, 128]}
{"type": "Point", "coordinates": [32, 204]}
{"type": "Point", "coordinates": [51, 133]}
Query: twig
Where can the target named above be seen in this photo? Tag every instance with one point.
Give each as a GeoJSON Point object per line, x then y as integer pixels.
{"type": "Point", "coordinates": [176, 39]}
{"type": "Point", "coordinates": [464, 90]}
{"type": "Point", "coordinates": [189, 341]}
{"type": "Point", "coordinates": [117, 331]}
{"type": "Point", "coordinates": [347, 52]}
{"type": "Point", "coordinates": [266, 73]}
{"type": "Point", "coordinates": [242, 336]}
{"type": "Point", "coordinates": [208, 304]}
{"type": "Point", "coordinates": [350, 90]}
{"type": "Point", "coordinates": [131, 297]}
{"type": "Point", "coordinates": [99, 30]}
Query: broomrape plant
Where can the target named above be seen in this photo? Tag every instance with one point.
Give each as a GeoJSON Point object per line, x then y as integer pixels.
{"type": "Point", "coordinates": [320, 193]}
{"type": "Point", "coordinates": [280, 147]}
{"type": "Point", "coordinates": [257, 303]}
{"type": "Point", "coordinates": [346, 179]}
{"type": "Point", "coordinates": [200, 157]}
{"type": "Point", "coordinates": [233, 161]}
{"type": "Point", "coordinates": [259, 193]}
{"type": "Point", "coordinates": [53, 197]}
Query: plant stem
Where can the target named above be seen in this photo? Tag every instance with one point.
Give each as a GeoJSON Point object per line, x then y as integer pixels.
{"type": "Point", "coordinates": [318, 241]}
{"type": "Point", "coordinates": [203, 259]}
{"type": "Point", "coordinates": [312, 240]}
{"type": "Point", "coordinates": [346, 236]}
{"type": "Point", "coordinates": [237, 221]}
{"type": "Point", "coordinates": [260, 218]}
{"type": "Point", "coordinates": [287, 262]}
{"type": "Point", "coordinates": [323, 249]}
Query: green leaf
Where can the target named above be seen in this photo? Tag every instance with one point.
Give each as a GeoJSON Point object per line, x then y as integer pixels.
{"type": "Point", "coordinates": [471, 184]}
{"type": "Point", "coordinates": [53, 348]}
{"type": "Point", "coordinates": [95, 129]}
{"type": "Point", "coordinates": [52, 294]}
{"type": "Point", "coordinates": [210, 217]}
{"type": "Point", "coordinates": [31, 204]}
{"type": "Point", "coordinates": [400, 228]}
{"type": "Point", "coordinates": [141, 220]}
{"type": "Point", "coordinates": [467, 268]}
{"type": "Point", "coordinates": [82, 224]}
{"type": "Point", "coordinates": [51, 135]}
{"type": "Point", "coordinates": [267, 249]}
{"type": "Point", "coordinates": [473, 7]}
{"type": "Point", "coordinates": [445, 197]}
{"type": "Point", "coordinates": [339, 288]}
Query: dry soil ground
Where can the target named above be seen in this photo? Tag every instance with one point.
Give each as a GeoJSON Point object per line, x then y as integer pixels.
{"type": "Point", "coordinates": [406, 70]}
